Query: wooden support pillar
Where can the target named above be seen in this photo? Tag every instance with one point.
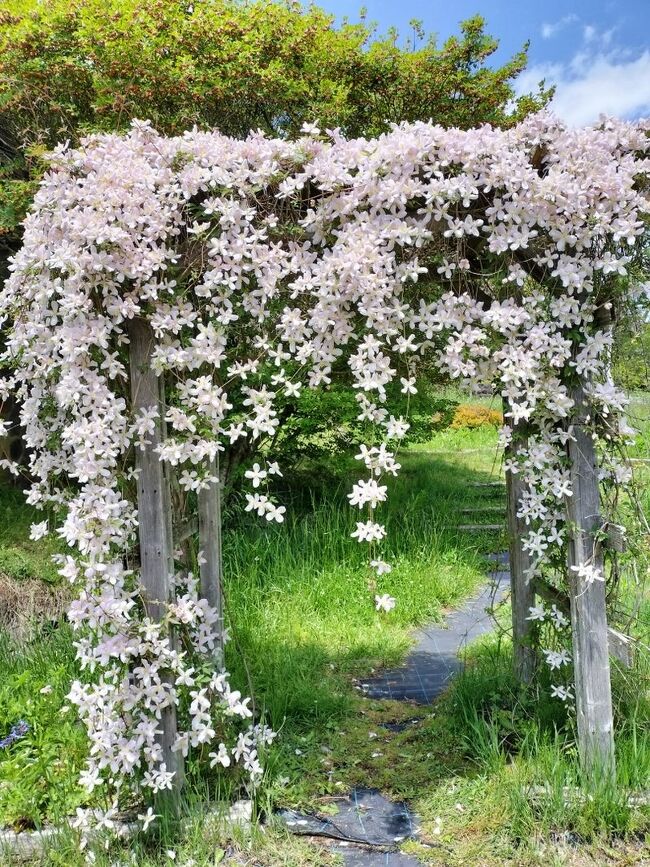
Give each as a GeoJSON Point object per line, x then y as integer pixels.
{"type": "Point", "coordinates": [588, 603]}
{"type": "Point", "coordinates": [154, 515]}
{"type": "Point", "coordinates": [522, 590]}
{"type": "Point", "coordinates": [210, 547]}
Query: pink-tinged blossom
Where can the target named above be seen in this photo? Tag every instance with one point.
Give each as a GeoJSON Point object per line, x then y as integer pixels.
{"type": "Point", "coordinates": [38, 531]}
{"type": "Point", "coordinates": [379, 274]}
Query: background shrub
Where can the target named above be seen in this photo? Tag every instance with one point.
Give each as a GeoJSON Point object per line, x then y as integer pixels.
{"type": "Point", "coordinates": [470, 415]}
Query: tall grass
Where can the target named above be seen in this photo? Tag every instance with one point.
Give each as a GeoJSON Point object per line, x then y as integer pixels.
{"type": "Point", "coordinates": [494, 764]}
{"type": "Point", "coordinates": [39, 773]}
{"type": "Point", "coordinates": [21, 557]}
{"type": "Point", "coordinates": [298, 595]}
{"type": "Point", "coordinates": [523, 745]}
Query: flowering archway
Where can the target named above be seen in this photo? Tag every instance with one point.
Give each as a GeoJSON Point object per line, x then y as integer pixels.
{"type": "Point", "coordinates": [173, 294]}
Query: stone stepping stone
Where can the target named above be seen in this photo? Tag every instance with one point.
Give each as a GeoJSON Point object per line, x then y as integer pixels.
{"type": "Point", "coordinates": [365, 816]}
{"type": "Point", "coordinates": [400, 726]}
{"type": "Point", "coordinates": [435, 658]}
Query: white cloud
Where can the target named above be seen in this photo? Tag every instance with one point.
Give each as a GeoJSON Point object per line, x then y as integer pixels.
{"type": "Point", "coordinates": [589, 32]}
{"type": "Point", "coordinates": [589, 85]}
{"type": "Point", "coordinates": [606, 36]}
{"type": "Point", "coordinates": [592, 35]}
{"type": "Point", "coordinates": [549, 30]}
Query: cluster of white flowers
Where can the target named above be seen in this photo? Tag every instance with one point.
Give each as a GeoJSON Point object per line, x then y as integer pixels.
{"type": "Point", "coordinates": [260, 264]}
{"type": "Point", "coordinates": [557, 624]}
{"type": "Point", "coordinates": [552, 615]}
{"type": "Point", "coordinates": [557, 658]}
{"type": "Point", "coordinates": [264, 504]}
{"type": "Point", "coordinates": [588, 573]}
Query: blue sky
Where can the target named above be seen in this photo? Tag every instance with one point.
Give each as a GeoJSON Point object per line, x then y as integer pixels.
{"type": "Point", "coordinates": [597, 53]}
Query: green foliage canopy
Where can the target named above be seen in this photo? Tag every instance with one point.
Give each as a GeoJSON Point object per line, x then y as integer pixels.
{"type": "Point", "coordinates": [72, 66]}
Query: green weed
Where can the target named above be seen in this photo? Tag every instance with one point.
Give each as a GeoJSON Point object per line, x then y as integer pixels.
{"type": "Point", "coordinates": [491, 769]}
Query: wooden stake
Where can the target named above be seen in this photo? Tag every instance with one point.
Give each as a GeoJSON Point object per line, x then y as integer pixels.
{"type": "Point", "coordinates": [521, 586]}
{"type": "Point", "coordinates": [588, 604]}
{"type": "Point", "coordinates": [154, 515]}
{"type": "Point", "coordinates": [210, 547]}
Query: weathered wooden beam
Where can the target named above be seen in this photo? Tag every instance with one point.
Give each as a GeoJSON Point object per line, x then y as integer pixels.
{"type": "Point", "coordinates": [210, 547]}
{"type": "Point", "coordinates": [621, 647]}
{"type": "Point", "coordinates": [552, 595]}
{"type": "Point", "coordinates": [588, 602]}
{"type": "Point", "coordinates": [154, 515]}
{"type": "Point", "coordinates": [616, 538]}
{"type": "Point", "coordinates": [521, 587]}
{"type": "Point", "coordinates": [185, 530]}
{"type": "Point", "coordinates": [479, 510]}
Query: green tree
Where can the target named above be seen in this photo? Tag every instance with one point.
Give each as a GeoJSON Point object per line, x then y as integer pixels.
{"type": "Point", "coordinates": [72, 66]}
{"type": "Point", "coordinates": [68, 67]}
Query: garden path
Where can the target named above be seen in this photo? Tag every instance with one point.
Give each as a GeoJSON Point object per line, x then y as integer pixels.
{"type": "Point", "coordinates": [365, 819]}
{"type": "Point", "coordinates": [437, 654]}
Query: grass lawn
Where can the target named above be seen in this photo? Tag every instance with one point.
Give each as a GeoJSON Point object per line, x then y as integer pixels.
{"type": "Point", "coordinates": [473, 766]}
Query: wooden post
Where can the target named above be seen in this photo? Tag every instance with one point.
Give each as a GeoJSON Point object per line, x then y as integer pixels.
{"type": "Point", "coordinates": [522, 590]}
{"type": "Point", "coordinates": [210, 547]}
{"type": "Point", "coordinates": [588, 603]}
{"type": "Point", "coordinates": [154, 518]}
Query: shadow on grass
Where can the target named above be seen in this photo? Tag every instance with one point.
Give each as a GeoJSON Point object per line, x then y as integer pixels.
{"type": "Point", "coordinates": [306, 627]}
{"type": "Point", "coordinates": [298, 595]}
{"type": "Point", "coordinates": [490, 769]}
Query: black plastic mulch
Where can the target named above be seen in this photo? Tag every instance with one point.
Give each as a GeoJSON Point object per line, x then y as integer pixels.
{"type": "Point", "coordinates": [364, 816]}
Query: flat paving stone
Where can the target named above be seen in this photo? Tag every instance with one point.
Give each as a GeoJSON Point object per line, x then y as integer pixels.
{"type": "Point", "coordinates": [400, 726]}
{"type": "Point", "coordinates": [435, 657]}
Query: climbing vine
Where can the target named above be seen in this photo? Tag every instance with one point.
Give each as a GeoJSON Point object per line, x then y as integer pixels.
{"type": "Point", "coordinates": [262, 266]}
